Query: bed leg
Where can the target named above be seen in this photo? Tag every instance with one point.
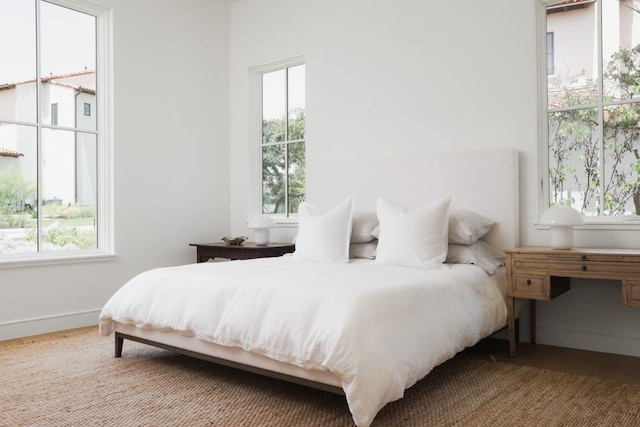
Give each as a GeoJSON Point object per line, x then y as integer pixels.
{"type": "Point", "coordinates": [119, 343]}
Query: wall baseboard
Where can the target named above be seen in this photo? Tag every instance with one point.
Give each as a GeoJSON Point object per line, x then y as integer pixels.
{"type": "Point", "coordinates": [46, 324]}
{"type": "Point", "coordinates": [603, 342]}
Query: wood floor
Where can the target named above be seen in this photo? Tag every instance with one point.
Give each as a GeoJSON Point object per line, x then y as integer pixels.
{"type": "Point", "coordinates": [625, 369]}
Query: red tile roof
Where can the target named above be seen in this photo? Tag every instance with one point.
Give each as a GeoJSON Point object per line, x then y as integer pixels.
{"type": "Point", "coordinates": [45, 79]}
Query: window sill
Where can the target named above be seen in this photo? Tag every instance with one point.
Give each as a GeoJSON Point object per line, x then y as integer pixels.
{"type": "Point", "coordinates": [602, 225]}
{"type": "Point", "coordinates": [53, 259]}
{"type": "Point", "coordinates": [623, 221]}
{"type": "Point", "coordinates": [286, 223]}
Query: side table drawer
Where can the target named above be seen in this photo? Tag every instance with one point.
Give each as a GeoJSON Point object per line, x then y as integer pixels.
{"type": "Point", "coordinates": [529, 286]}
{"type": "Point", "coordinates": [631, 292]}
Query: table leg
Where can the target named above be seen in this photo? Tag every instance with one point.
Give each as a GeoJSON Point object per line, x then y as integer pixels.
{"type": "Point", "coordinates": [202, 256]}
{"type": "Point", "coordinates": [532, 320]}
{"type": "Point", "coordinates": [511, 321]}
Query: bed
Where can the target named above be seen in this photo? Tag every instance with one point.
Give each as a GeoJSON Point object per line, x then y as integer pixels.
{"type": "Point", "coordinates": [396, 269]}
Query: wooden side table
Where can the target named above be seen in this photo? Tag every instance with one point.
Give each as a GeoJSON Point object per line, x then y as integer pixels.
{"type": "Point", "coordinates": [538, 273]}
{"type": "Point", "coordinates": [247, 250]}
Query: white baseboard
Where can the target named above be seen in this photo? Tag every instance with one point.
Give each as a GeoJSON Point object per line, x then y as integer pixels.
{"type": "Point", "coordinates": [606, 342]}
{"type": "Point", "coordinates": [43, 325]}
{"type": "Point", "coordinates": [600, 341]}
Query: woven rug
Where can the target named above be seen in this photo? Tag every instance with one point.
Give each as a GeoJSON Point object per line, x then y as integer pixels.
{"type": "Point", "coordinates": [72, 379]}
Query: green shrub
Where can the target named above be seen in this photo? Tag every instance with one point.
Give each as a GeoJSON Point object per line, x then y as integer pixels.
{"type": "Point", "coordinates": [68, 211]}
{"type": "Point", "coordinates": [14, 190]}
{"type": "Point", "coordinates": [70, 237]}
{"type": "Point", "coordinates": [66, 237]}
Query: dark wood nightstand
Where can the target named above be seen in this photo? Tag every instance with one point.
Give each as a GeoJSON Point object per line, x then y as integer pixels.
{"type": "Point", "coordinates": [247, 250]}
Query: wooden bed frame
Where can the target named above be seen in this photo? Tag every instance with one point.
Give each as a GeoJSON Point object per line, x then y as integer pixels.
{"type": "Point", "coordinates": [228, 356]}
{"type": "Point", "coordinates": [485, 181]}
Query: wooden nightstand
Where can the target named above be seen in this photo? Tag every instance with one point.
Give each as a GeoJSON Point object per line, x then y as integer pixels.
{"type": "Point", "coordinates": [247, 250]}
{"type": "Point", "coordinates": [538, 273]}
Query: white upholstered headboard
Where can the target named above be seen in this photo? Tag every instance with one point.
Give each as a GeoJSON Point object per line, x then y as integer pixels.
{"type": "Point", "coordinates": [485, 181]}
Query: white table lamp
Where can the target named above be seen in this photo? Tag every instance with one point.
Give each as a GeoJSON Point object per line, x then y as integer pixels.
{"type": "Point", "coordinates": [561, 220]}
{"type": "Point", "coordinates": [261, 226]}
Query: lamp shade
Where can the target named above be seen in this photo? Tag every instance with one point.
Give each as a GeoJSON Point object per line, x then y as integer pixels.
{"type": "Point", "coordinates": [561, 220]}
{"type": "Point", "coordinates": [261, 225]}
{"type": "Point", "coordinates": [262, 221]}
{"type": "Point", "coordinates": [561, 215]}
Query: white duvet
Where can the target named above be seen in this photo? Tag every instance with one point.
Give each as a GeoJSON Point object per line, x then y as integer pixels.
{"type": "Point", "coordinates": [378, 328]}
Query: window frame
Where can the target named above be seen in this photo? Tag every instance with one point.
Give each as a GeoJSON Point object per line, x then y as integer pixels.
{"type": "Point", "coordinates": [591, 222]}
{"type": "Point", "coordinates": [104, 135]}
{"type": "Point", "coordinates": [255, 193]}
{"type": "Point", "coordinates": [550, 58]}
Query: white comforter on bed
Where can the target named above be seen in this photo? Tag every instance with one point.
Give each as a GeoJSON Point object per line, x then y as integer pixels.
{"type": "Point", "coordinates": [378, 328]}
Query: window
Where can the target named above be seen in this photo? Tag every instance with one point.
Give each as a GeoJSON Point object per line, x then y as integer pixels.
{"type": "Point", "coordinates": [54, 195]}
{"type": "Point", "coordinates": [590, 106]}
{"type": "Point", "coordinates": [54, 114]}
{"type": "Point", "coordinates": [281, 137]}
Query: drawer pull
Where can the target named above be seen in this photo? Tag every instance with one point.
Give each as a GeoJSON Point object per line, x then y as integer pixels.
{"type": "Point", "coordinates": [584, 268]}
{"type": "Point", "coordinates": [584, 257]}
{"type": "Point", "coordinates": [528, 282]}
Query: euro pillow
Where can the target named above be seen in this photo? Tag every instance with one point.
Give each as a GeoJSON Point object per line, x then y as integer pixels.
{"type": "Point", "coordinates": [363, 225]}
{"type": "Point", "coordinates": [324, 236]}
{"type": "Point", "coordinates": [467, 227]}
{"type": "Point", "coordinates": [412, 238]}
{"type": "Point", "coordinates": [480, 253]}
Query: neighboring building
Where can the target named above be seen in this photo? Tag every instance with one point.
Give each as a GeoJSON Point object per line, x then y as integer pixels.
{"type": "Point", "coordinates": [571, 27]}
{"type": "Point", "coordinates": [68, 158]}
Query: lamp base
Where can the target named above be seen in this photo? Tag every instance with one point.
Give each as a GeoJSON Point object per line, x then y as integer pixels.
{"type": "Point", "coordinates": [561, 237]}
{"type": "Point", "coordinates": [261, 236]}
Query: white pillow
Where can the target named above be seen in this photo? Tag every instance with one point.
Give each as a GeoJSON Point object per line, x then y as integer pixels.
{"type": "Point", "coordinates": [363, 250]}
{"type": "Point", "coordinates": [413, 238]}
{"type": "Point", "coordinates": [324, 237]}
{"type": "Point", "coordinates": [466, 227]}
{"type": "Point", "coordinates": [363, 225]}
{"type": "Point", "coordinates": [480, 253]}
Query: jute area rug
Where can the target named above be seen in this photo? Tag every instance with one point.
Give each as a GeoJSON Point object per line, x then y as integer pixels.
{"type": "Point", "coordinates": [73, 380]}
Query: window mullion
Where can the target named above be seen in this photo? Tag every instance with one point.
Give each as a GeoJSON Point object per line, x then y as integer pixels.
{"type": "Point", "coordinates": [40, 160]}
{"type": "Point", "coordinates": [602, 159]}
{"type": "Point", "coordinates": [286, 143]}
{"type": "Point", "coordinates": [600, 60]}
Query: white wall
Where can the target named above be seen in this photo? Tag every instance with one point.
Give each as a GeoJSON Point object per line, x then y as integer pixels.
{"type": "Point", "coordinates": [390, 78]}
{"type": "Point", "coordinates": [171, 162]}
{"type": "Point", "coordinates": [405, 77]}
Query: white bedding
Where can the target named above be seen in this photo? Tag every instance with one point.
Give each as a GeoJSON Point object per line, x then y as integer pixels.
{"type": "Point", "coordinates": [378, 328]}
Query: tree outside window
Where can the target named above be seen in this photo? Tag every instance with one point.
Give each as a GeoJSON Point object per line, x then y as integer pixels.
{"type": "Point", "coordinates": [593, 106]}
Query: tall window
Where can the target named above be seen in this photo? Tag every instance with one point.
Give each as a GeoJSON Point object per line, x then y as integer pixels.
{"type": "Point", "coordinates": [53, 186]}
{"type": "Point", "coordinates": [591, 105]}
{"type": "Point", "coordinates": [282, 138]}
